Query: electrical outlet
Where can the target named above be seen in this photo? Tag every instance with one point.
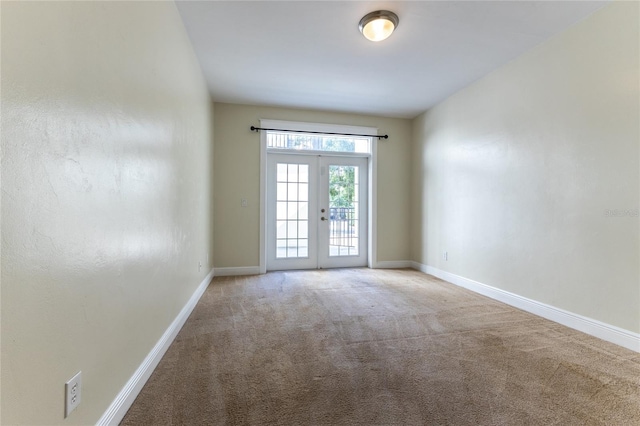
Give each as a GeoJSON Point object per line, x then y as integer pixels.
{"type": "Point", "coordinates": [73, 392]}
{"type": "Point", "coordinates": [445, 255]}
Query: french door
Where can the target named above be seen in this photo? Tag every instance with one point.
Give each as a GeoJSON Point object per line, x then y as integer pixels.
{"type": "Point", "coordinates": [316, 211]}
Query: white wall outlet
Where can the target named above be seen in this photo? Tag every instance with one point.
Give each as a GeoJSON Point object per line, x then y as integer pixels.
{"type": "Point", "coordinates": [445, 255]}
{"type": "Point", "coordinates": [73, 392]}
{"type": "Point", "coordinates": [244, 202]}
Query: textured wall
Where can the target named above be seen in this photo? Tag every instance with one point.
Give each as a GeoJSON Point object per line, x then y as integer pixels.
{"type": "Point", "coordinates": [237, 175]}
{"type": "Point", "coordinates": [107, 152]}
{"type": "Point", "coordinates": [513, 176]}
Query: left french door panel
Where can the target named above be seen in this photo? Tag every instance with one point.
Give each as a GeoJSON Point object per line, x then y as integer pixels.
{"type": "Point", "coordinates": [292, 196]}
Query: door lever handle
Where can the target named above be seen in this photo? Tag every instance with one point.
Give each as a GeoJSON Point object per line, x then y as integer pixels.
{"type": "Point", "coordinates": [323, 218]}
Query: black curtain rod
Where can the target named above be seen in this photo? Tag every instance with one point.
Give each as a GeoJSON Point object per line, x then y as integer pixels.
{"type": "Point", "coordinates": [257, 129]}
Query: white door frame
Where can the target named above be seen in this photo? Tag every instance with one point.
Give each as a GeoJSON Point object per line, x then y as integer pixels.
{"type": "Point", "coordinates": [320, 127]}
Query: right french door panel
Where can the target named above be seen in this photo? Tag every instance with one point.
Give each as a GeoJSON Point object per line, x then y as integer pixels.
{"type": "Point", "coordinates": [342, 235]}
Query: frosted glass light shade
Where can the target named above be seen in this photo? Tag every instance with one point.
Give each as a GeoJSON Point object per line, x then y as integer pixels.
{"type": "Point", "coordinates": [378, 25]}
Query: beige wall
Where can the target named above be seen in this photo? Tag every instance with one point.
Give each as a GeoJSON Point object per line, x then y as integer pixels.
{"type": "Point", "coordinates": [512, 175]}
{"type": "Point", "coordinates": [106, 167]}
{"type": "Point", "coordinates": [237, 175]}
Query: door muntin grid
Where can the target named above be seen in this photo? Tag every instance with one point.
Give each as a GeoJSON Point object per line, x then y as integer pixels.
{"type": "Point", "coordinates": [292, 210]}
{"type": "Point", "coordinates": [344, 210]}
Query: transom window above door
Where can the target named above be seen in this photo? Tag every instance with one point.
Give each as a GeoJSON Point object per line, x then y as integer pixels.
{"type": "Point", "coordinates": [313, 142]}
{"type": "Point", "coordinates": [292, 136]}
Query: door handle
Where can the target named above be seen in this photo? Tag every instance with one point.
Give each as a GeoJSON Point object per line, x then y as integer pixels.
{"type": "Point", "coordinates": [323, 218]}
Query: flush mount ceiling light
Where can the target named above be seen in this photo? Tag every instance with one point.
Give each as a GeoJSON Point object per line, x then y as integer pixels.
{"type": "Point", "coordinates": [378, 25]}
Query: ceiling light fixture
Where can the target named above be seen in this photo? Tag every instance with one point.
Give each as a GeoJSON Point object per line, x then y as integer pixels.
{"type": "Point", "coordinates": [378, 25]}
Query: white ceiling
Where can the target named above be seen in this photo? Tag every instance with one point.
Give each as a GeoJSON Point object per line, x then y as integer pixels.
{"type": "Point", "coordinates": [310, 54]}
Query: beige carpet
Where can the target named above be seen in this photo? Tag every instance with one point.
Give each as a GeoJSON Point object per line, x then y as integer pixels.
{"type": "Point", "coordinates": [380, 347]}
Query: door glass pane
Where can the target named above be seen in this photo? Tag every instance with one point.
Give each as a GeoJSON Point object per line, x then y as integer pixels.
{"type": "Point", "coordinates": [304, 173]}
{"type": "Point", "coordinates": [303, 248]}
{"type": "Point", "coordinates": [292, 215]}
{"type": "Point", "coordinates": [281, 229]}
{"type": "Point", "coordinates": [281, 210]}
{"type": "Point", "coordinates": [293, 173]}
{"type": "Point", "coordinates": [292, 193]}
{"type": "Point", "coordinates": [303, 191]}
{"type": "Point", "coordinates": [281, 173]}
{"type": "Point", "coordinates": [344, 210]}
{"type": "Point", "coordinates": [281, 192]}
{"type": "Point", "coordinates": [293, 210]}
{"type": "Point", "coordinates": [303, 229]}
{"type": "Point", "coordinates": [303, 211]}
{"type": "Point", "coordinates": [292, 229]}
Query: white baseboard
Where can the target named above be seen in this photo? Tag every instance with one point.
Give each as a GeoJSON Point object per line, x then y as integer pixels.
{"type": "Point", "coordinates": [610, 333]}
{"type": "Point", "coordinates": [419, 267]}
{"type": "Point", "coordinates": [393, 264]}
{"type": "Point", "coordinates": [120, 405]}
{"type": "Point", "coordinates": [239, 270]}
